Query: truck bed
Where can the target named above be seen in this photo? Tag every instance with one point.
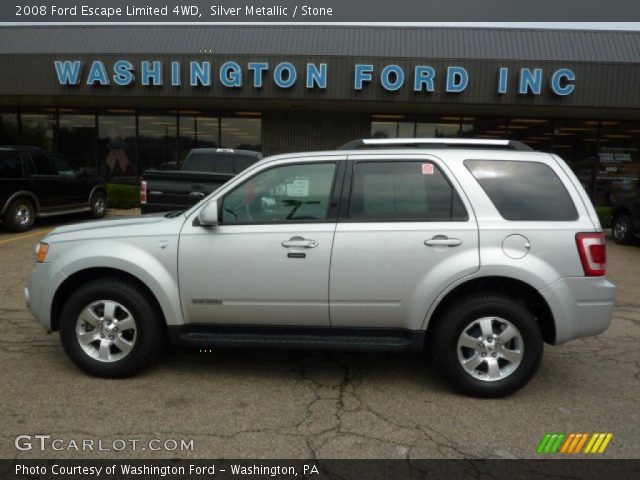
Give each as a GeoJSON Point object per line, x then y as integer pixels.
{"type": "Point", "coordinates": [179, 190]}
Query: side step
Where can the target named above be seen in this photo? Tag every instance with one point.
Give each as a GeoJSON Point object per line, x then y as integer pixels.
{"type": "Point", "coordinates": [304, 338]}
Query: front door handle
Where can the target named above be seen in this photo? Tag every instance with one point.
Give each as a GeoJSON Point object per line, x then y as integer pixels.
{"type": "Point", "coordinates": [443, 241]}
{"type": "Point", "coordinates": [299, 242]}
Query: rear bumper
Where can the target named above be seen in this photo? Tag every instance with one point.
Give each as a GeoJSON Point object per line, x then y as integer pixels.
{"type": "Point", "coordinates": [581, 306]}
{"type": "Point", "coordinates": [162, 207]}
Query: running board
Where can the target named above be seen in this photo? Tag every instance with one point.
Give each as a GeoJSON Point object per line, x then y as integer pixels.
{"type": "Point", "coordinates": [68, 211]}
{"type": "Point", "coordinates": [305, 338]}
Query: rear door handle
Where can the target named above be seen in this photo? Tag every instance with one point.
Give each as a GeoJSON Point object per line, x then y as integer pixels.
{"type": "Point", "coordinates": [299, 242]}
{"type": "Point", "coordinates": [443, 241]}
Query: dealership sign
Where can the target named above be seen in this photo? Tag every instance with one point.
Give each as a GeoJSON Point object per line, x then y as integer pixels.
{"type": "Point", "coordinates": [284, 75]}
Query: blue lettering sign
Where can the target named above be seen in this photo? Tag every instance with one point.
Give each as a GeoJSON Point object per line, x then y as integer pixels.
{"type": "Point", "coordinates": [530, 81]}
{"type": "Point", "coordinates": [231, 75]}
{"type": "Point", "coordinates": [560, 82]}
{"type": "Point", "coordinates": [424, 76]}
{"type": "Point", "coordinates": [363, 73]}
{"type": "Point", "coordinates": [68, 72]}
{"type": "Point", "coordinates": [389, 72]}
{"type": "Point", "coordinates": [316, 76]}
{"type": "Point", "coordinates": [151, 73]}
{"type": "Point", "coordinates": [200, 74]}
{"type": "Point", "coordinates": [502, 80]}
{"type": "Point", "coordinates": [457, 79]}
{"type": "Point", "coordinates": [175, 74]}
{"type": "Point", "coordinates": [123, 73]}
{"type": "Point", "coordinates": [258, 68]}
{"type": "Point", "coordinates": [285, 75]}
{"type": "Point", "coordinates": [97, 73]}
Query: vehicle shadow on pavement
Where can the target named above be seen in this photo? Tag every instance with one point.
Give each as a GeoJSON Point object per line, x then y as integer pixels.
{"type": "Point", "coordinates": [374, 367]}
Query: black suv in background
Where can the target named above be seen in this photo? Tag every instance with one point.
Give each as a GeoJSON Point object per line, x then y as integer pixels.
{"type": "Point", "coordinates": [35, 183]}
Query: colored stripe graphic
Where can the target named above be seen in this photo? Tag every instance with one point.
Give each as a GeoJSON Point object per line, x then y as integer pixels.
{"type": "Point", "coordinates": [583, 439]}
{"type": "Point", "coordinates": [568, 442]}
{"type": "Point", "coordinates": [543, 443]}
{"type": "Point", "coordinates": [573, 443]}
{"type": "Point", "coordinates": [550, 443]}
{"type": "Point", "coordinates": [556, 445]}
{"type": "Point", "coordinates": [605, 443]}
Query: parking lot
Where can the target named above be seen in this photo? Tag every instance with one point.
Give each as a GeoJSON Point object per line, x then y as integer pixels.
{"type": "Point", "coordinates": [283, 404]}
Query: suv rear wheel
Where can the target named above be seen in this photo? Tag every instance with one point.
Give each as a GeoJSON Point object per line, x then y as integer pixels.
{"type": "Point", "coordinates": [487, 345]}
{"type": "Point", "coordinates": [110, 328]}
{"type": "Point", "coordinates": [20, 215]}
{"type": "Point", "coordinates": [623, 229]}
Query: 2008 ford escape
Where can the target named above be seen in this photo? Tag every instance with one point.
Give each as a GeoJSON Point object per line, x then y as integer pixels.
{"type": "Point", "coordinates": [477, 251]}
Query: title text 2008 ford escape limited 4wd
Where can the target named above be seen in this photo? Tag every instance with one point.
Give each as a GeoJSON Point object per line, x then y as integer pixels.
{"type": "Point", "coordinates": [477, 251]}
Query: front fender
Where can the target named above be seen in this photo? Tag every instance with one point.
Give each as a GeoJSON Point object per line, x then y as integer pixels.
{"type": "Point", "coordinates": [157, 272]}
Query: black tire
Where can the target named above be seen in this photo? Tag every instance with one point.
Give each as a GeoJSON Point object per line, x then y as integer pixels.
{"type": "Point", "coordinates": [150, 335]}
{"type": "Point", "coordinates": [623, 229]}
{"type": "Point", "coordinates": [451, 324]}
{"type": "Point", "coordinates": [20, 215]}
{"type": "Point", "coordinates": [98, 205]}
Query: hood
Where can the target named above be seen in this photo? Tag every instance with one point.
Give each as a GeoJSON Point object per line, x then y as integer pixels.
{"type": "Point", "coordinates": [120, 227]}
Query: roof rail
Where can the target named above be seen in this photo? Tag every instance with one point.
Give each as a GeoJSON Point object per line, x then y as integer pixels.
{"type": "Point", "coordinates": [434, 143]}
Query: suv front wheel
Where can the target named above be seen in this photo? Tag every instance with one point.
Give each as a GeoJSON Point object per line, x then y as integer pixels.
{"type": "Point", "coordinates": [487, 345]}
{"type": "Point", "coordinates": [111, 328]}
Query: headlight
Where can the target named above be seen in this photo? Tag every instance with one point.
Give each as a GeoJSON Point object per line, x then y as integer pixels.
{"type": "Point", "coordinates": [41, 252]}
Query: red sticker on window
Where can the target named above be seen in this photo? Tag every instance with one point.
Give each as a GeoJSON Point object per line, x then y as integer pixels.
{"type": "Point", "coordinates": [427, 169]}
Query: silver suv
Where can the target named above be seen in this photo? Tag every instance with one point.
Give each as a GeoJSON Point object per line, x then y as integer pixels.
{"type": "Point", "coordinates": [476, 251]}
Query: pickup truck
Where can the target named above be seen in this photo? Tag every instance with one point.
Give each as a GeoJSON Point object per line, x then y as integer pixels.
{"type": "Point", "coordinates": [203, 171]}
{"type": "Point", "coordinates": [35, 183]}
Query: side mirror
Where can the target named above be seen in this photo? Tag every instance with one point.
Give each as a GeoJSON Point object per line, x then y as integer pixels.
{"type": "Point", "coordinates": [208, 215]}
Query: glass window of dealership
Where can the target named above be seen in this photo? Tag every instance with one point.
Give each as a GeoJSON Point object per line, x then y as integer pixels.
{"type": "Point", "coordinates": [119, 144]}
{"type": "Point", "coordinates": [604, 154]}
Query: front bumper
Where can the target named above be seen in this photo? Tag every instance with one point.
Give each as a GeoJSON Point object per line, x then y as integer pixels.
{"type": "Point", "coordinates": [581, 306]}
{"type": "Point", "coordinates": [41, 287]}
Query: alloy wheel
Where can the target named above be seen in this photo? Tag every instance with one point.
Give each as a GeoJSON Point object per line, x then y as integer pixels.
{"type": "Point", "coordinates": [490, 348]}
{"type": "Point", "coordinates": [106, 331]}
{"type": "Point", "coordinates": [23, 215]}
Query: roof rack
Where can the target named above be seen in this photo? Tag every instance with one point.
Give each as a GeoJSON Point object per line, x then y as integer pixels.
{"type": "Point", "coordinates": [434, 143]}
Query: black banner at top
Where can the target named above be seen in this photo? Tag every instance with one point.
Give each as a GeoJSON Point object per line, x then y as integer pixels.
{"type": "Point", "coordinates": [323, 11]}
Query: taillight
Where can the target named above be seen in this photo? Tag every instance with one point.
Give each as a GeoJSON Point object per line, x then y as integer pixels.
{"type": "Point", "coordinates": [593, 253]}
{"type": "Point", "coordinates": [143, 192]}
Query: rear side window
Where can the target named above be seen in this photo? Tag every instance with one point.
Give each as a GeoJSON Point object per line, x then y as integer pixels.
{"type": "Point", "coordinates": [526, 191]}
{"type": "Point", "coordinates": [219, 163]}
{"type": "Point", "coordinates": [10, 164]}
{"type": "Point", "coordinates": [403, 191]}
{"type": "Point", "coordinates": [41, 164]}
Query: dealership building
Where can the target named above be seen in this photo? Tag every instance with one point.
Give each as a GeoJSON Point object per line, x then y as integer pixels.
{"type": "Point", "coordinates": [117, 100]}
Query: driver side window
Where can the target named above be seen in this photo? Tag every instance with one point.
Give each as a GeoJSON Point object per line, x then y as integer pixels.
{"type": "Point", "coordinates": [62, 166]}
{"type": "Point", "coordinates": [288, 193]}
